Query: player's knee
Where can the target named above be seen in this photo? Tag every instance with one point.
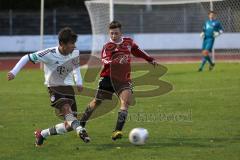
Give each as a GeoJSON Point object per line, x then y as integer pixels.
{"type": "Point", "coordinates": [205, 52]}
{"type": "Point", "coordinates": [66, 109]}
{"type": "Point", "coordinates": [125, 103]}
{"type": "Point", "coordinates": [67, 126]}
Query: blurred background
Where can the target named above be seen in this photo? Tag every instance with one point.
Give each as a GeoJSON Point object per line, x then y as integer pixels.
{"type": "Point", "coordinates": [168, 29]}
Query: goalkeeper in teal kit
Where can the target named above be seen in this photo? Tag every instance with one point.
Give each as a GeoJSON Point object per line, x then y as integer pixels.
{"type": "Point", "coordinates": [211, 29]}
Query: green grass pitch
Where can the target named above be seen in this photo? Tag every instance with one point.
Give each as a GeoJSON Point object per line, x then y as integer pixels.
{"type": "Point", "coordinates": [198, 119]}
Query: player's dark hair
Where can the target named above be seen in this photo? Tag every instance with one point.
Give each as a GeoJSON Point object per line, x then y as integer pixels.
{"type": "Point", "coordinates": [209, 12]}
{"type": "Point", "coordinates": [115, 24]}
{"type": "Point", "coordinates": [67, 35]}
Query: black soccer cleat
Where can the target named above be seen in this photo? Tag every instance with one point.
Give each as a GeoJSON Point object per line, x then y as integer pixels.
{"type": "Point", "coordinates": [84, 136]}
{"type": "Point", "coordinates": [200, 70]}
{"type": "Point", "coordinates": [39, 139]}
{"type": "Point", "coordinates": [211, 67]}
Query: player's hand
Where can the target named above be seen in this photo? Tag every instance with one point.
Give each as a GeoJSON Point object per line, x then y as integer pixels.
{"type": "Point", "coordinates": [10, 76]}
{"type": "Point", "coordinates": [79, 88]}
{"type": "Point", "coordinates": [216, 34]}
{"type": "Point", "coordinates": [202, 35]}
{"type": "Point", "coordinates": [154, 63]}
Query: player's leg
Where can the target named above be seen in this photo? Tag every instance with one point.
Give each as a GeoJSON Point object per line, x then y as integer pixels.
{"type": "Point", "coordinates": [204, 60]}
{"type": "Point", "coordinates": [89, 110]}
{"type": "Point", "coordinates": [70, 123]}
{"type": "Point", "coordinates": [209, 47]}
{"type": "Point", "coordinates": [211, 63]}
{"type": "Point", "coordinates": [125, 97]}
{"type": "Point", "coordinates": [204, 54]}
{"type": "Point", "coordinates": [104, 91]}
{"type": "Point", "coordinates": [58, 129]}
{"type": "Point", "coordinates": [74, 123]}
{"type": "Point", "coordinates": [63, 100]}
{"type": "Point", "coordinates": [208, 58]}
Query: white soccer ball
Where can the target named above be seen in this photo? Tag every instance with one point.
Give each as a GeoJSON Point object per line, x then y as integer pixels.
{"type": "Point", "coordinates": [138, 136]}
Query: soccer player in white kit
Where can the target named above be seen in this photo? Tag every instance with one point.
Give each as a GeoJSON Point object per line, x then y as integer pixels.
{"type": "Point", "coordinates": [62, 72]}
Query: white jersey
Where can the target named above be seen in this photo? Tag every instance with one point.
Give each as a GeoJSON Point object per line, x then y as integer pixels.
{"type": "Point", "coordinates": [59, 70]}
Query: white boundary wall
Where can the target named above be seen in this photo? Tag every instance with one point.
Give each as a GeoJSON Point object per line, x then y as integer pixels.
{"type": "Point", "coordinates": [167, 41]}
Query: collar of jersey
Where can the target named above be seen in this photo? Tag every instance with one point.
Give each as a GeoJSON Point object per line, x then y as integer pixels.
{"type": "Point", "coordinates": [115, 42]}
{"type": "Point", "coordinates": [58, 52]}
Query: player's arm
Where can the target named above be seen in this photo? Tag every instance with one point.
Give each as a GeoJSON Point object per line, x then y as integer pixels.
{"type": "Point", "coordinates": [106, 59]}
{"type": "Point", "coordinates": [36, 57]}
{"type": "Point", "coordinates": [137, 52]}
{"type": "Point", "coordinates": [219, 30]}
{"type": "Point", "coordinates": [202, 34]}
{"type": "Point", "coordinates": [21, 63]}
{"type": "Point", "coordinates": [77, 74]}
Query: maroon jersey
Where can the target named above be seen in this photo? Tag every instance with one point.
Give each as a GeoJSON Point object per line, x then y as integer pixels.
{"type": "Point", "coordinates": [116, 58]}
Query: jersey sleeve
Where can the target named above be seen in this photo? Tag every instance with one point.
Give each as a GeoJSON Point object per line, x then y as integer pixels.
{"type": "Point", "coordinates": [21, 63]}
{"type": "Point", "coordinates": [76, 68]}
{"type": "Point", "coordinates": [204, 27]}
{"type": "Point", "coordinates": [40, 56]}
{"type": "Point", "coordinates": [105, 57]}
{"type": "Point", "coordinates": [219, 27]}
{"type": "Point", "coordinates": [137, 52]}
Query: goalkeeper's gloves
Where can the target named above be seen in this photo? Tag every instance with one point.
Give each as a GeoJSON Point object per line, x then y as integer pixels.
{"type": "Point", "coordinates": [216, 34]}
{"type": "Point", "coordinates": [202, 35]}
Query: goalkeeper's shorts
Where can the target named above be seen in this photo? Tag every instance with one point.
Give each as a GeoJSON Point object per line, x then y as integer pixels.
{"type": "Point", "coordinates": [208, 44]}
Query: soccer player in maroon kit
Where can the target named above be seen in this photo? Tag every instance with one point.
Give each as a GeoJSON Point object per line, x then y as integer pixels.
{"type": "Point", "coordinates": [115, 75]}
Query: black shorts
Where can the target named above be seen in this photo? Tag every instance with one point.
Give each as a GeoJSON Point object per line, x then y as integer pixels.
{"type": "Point", "coordinates": [106, 88]}
{"type": "Point", "coordinates": [60, 96]}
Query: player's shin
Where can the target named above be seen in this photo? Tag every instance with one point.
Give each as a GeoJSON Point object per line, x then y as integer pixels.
{"type": "Point", "coordinates": [122, 116]}
{"type": "Point", "coordinates": [204, 60]}
{"type": "Point", "coordinates": [86, 115]}
{"type": "Point", "coordinates": [73, 122]}
{"type": "Point", "coordinates": [58, 129]}
{"type": "Point", "coordinates": [55, 130]}
{"type": "Point", "coordinates": [209, 59]}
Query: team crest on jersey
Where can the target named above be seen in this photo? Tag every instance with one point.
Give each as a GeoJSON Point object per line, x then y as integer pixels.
{"type": "Point", "coordinates": [52, 98]}
{"type": "Point", "coordinates": [209, 26]}
{"type": "Point", "coordinates": [126, 44]}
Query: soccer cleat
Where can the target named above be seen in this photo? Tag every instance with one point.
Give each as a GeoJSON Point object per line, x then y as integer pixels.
{"type": "Point", "coordinates": [39, 138]}
{"type": "Point", "coordinates": [211, 66]}
{"type": "Point", "coordinates": [200, 70]}
{"type": "Point", "coordinates": [117, 135]}
{"type": "Point", "coordinates": [84, 136]}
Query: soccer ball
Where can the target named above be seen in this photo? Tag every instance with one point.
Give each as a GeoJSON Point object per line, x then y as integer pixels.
{"type": "Point", "coordinates": [138, 136]}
